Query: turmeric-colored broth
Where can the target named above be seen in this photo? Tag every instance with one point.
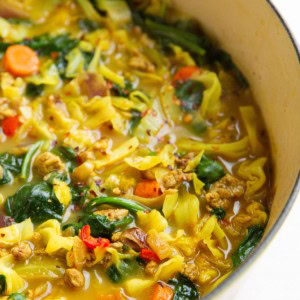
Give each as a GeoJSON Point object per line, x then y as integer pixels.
{"type": "Point", "coordinates": [195, 159]}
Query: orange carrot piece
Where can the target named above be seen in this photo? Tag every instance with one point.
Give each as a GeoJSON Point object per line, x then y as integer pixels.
{"type": "Point", "coordinates": [184, 73]}
{"type": "Point", "coordinates": [21, 60]}
{"type": "Point", "coordinates": [162, 292]}
{"type": "Point", "coordinates": [148, 189]}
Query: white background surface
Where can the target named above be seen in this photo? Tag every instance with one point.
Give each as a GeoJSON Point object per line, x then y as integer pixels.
{"type": "Point", "coordinates": [275, 275]}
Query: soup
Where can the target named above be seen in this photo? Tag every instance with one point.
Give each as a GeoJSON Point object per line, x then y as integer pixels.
{"type": "Point", "coordinates": [134, 163]}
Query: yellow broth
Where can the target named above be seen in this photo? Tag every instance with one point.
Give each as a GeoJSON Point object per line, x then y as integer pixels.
{"type": "Point", "coordinates": [64, 115]}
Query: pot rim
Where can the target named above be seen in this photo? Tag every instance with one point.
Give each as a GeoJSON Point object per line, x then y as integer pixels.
{"type": "Point", "coordinates": [291, 200]}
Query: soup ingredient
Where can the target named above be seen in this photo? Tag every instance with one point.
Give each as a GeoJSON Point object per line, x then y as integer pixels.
{"type": "Point", "coordinates": [21, 61]}
{"type": "Point", "coordinates": [148, 189]}
{"type": "Point", "coordinates": [34, 90]}
{"type": "Point", "coordinates": [219, 212]}
{"type": "Point", "coordinates": [35, 201]}
{"type": "Point", "coordinates": [162, 292]}
{"type": "Point", "coordinates": [2, 284]}
{"type": "Point", "coordinates": [28, 158]}
{"type": "Point", "coordinates": [120, 271]}
{"type": "Point", "coordinates": [184, 288]}
{"type": "Point", "coordinates": [148, 254]}
{"type": "Point", "coordinates": [184, 74]}
{"type": "Point", "coordinates": [10, 125]}
{"type": "Point", "coordinates": [74, 278]}
{"type": "Point", "coordinates": [253, 237]}
{"type": "Point", "coordinates": [17, 296]}
{"type": "Point", "coordinates": [9, 164]}
{"type": "Point", "coordinates": [116, 201]}
{"type": "Point", "coordinates": [21, 251]}
{"type": "Point", "coordinates": [209, 170]}
{"type": "Point", "coordinates": [90, 241]}
{"type": "Point", "coordinates": [46, 163]}
{"type": "Point", "coordinates": [190, 94]}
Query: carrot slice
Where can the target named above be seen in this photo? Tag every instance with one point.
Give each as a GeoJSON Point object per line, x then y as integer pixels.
{"type": "Point", "coordinates": [10, 125]}
{"type": "Point", "coordinates": [184, 74]}
{"type": "Point", "coordinates": [148, 189]}
{"type": "Point", "coordinates": [162, 292]}
{"type": "Point", "coordinates": [21, 60]}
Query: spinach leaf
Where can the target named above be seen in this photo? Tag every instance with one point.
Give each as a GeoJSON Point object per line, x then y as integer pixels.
{"type": "Point", "coordinates": [100, 226]}
{"type": "Point", "coordinates": [184, 288]}
{"type": "Point", "coordinates": [5, 176]}
{"type": "Point", "coordinates": [2, 284]}
{"type": "Point", "coordinates": [219, 212]}
{"type": "Point", "coordinates": [88, 25]}
{"type": "Point", "coordinates": [79, 193]}
{"type": "Point", "coordinates": [136, 118]}
{"type": "Point", "coordinates": [46, 44]}
{"type": "Point", "coordinates": [190, 94]}
{"type": "Point", "coordinates": [33, 90]}
{"type": "Point", "coordinates": [68, 154]}
{"type": "Point", "coordinates": [209, 170]}
{"type": "Point", "coordinates": [9, 164]}
{"type": "Point", "coordinates": [35, 201]}
{"type": "Point", "coordinates": [59, 176]}
{"type": "Point", "coordinates": [118, 273]}
{"type": "Point", "coordinates": [253, 237]}
{"type": "Point", "coordinates": [16, 296]}
{"type": "Point", "coordinates": [117, 90]}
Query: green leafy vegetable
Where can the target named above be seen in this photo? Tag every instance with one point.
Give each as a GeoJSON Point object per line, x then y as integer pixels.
{"type": "Point", "coordinates": [219, 212]}
{"type": "Point", "coordinates": [28, 158]}
{"type": "Point", "coordinates": [46, 44]}
{"type": "Point", "coordinates": [184, 288]}
{"type": "Point", "coordinates": [119, 202]}
{"type": "Point", "coordinates": [117, 90]}
{"type": "Point", "coordinates": [135, 120]}
{"type": "Point", "coordinates": [169, 34]}
{"type": "Point", "coordinates": [35, 201]}
{"type": "Point", "coordinates": [17, 296]}
{"type": "Point", "coordinates": [19, 21]}
{"type": "Point", "coordinates": [88, 25]}
{"type": "Point", "coordinates": [118, 273]}
{"type": "Point", "coordinates": [33, 90]}
{"type": "Point", "coordinates": [11, 165]}
{"type": "Point", "coordinates": [253, 237]}
{"type": "Point", "coordinates": [2, 284]}
{"type": "Point", "coordinates": [65, 177]}
{"type": "Point", "coordinates": [209, 170]}
{"type": "Point", "coordinates": [190, 94]}
{"type": "Point", "coordinates": [79, 193]}
{"type": "Point", "coordinates": [68, 154]}
{"type": "Point", "coordinates": [100, 226]}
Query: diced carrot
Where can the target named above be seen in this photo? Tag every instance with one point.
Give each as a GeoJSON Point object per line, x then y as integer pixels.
{"type": "Point", "coordinates": [148, 189]}
{"type": "Point", "coordinates": [10, 125]}
{"type": "Point", "coordinates": [162, 292]}
{"type": "Point", "coordinates": [21, 60]}
{"type": "Point", "coordinates": [184, 73]}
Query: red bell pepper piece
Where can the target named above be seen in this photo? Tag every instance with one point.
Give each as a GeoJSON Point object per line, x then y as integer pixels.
{"type": "Point", "coordinates": [184, 74]}
{"type": "Point", "coordinates": [10, 125]}
{"type": "Point", "coordinates": [148, 254]}
{"type": "Point", "coordinates": [90, 241]}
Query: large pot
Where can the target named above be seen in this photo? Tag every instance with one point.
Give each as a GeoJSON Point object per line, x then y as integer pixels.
{"type": "Point", "coordinates": [264, 49]}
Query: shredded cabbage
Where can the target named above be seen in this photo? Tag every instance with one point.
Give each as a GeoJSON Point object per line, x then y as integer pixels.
{"type": "Point", "coordinates": [253, 172]}
{"type": "Point", "coordinates": [231, 150]}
